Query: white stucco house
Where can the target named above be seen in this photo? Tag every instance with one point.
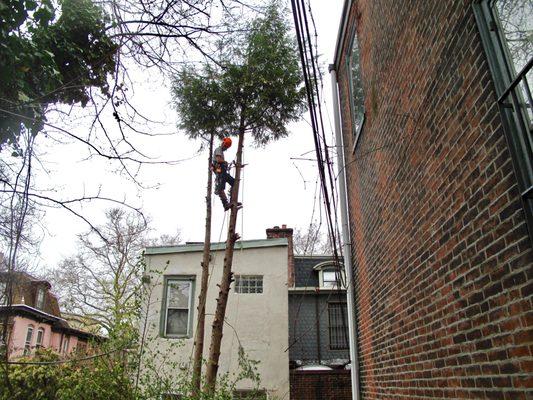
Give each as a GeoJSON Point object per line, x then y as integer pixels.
{"type": "Point", "coordinates": [256, 314]}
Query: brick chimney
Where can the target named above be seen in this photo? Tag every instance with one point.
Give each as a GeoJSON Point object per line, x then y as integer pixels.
{"type": "Point", "coordinates": [284, 232]}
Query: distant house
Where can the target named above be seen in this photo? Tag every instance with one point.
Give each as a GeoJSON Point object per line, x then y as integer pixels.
{"type": "Point", "coordinates": [286, 311]}
{"type": "Point", "coordinates": [256, 315]}
{"type": "Point", "coordinates": [34, 318]}
{"type": "Point", "coordinates": [318, 323]}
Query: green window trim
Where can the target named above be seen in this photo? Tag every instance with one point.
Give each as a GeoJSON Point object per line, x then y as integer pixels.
{"type": "Point", "coordinates": [163, 319]}
{"type": "Point", "coordinates": [512, 101]}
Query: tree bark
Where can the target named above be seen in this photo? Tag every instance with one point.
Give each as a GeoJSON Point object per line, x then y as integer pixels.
{"type": "Point", "coordinates": [200, 328]}
{"type": "Point", "coordinates": [227, 277]}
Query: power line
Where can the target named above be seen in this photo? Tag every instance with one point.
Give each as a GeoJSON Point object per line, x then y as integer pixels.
{"type": "Point", "coordinates": [327, 176]}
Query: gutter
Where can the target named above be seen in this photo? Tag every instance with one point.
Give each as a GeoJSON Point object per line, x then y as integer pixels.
{"type": "Point", "coordinates": [342, 31]}
{"type": "Point", "coordinates": [346, 239]}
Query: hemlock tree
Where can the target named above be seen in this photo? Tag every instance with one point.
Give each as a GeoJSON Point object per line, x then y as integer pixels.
{"type": "Point", "coordinates": [256, 92]}
{"type": "Point", "coordinates": [200, 116]}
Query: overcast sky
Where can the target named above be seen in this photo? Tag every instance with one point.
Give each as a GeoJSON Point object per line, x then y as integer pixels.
{"type": "Point", "coordinates": [275, 189]}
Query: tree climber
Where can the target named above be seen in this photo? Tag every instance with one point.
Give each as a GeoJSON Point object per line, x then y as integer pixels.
{"type": "Point", "coordinates": [220, 168]}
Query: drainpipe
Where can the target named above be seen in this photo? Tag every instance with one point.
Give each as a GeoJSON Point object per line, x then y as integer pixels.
{"type": "Point", "coordinates": [346, 240]}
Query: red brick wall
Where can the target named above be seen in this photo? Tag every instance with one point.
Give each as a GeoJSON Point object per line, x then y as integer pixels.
{"type": "Point", "coordinates": [443, 261]}
{"type": "Point", "coordinates": [320, 385]}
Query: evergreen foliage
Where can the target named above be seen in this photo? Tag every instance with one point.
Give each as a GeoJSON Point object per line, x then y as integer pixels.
{"type": "Point", "coordinates": [257, 85]}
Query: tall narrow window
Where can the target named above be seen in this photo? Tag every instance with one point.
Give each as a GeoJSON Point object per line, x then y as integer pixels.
{"type": "Point", "coordinates": [338, 326]}
{"type": "Point", "coordinates": [506, 30]}
{"type": "Point", "coordinates": [355, 87]}
{"type": "Point", "coordinates": [3, 294]}
{"type": "Point", "coordinates": [40, 337]}
{"type": "Point", "coordinates": [27, 342]}
{"type": "Point", "coordinates": [66, 341]}
{"type": "Point", "coordinates": [39, 303]}
{"type": "Point", "coordinates": [177, 307]}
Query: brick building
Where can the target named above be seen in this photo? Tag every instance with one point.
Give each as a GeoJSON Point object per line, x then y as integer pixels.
{"type": "Point", "coordinates": [436, 123]}
{"type": "Point", "coordinates": [34, 319]}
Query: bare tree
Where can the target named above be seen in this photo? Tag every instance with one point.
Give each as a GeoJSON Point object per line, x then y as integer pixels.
{"type": "Point", "coordinates": [311, 241]}
{"type": "Point", "coordinates": [101, 280]}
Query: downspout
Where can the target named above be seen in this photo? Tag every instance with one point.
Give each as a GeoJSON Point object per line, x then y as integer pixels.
{"type": "Point", "coordinates": [346, 239]}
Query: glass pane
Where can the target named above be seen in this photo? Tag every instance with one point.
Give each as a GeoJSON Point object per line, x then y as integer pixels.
{"type": "Point", "coordinates": [329, 277]}
{"type": "Point", "coordinates": [356, 86]}
{"type": "Point", "coordinates": [178, 294]}
{"type": "Point", "coordinates": [39, 340]}
{"type": "Point", "coordinates": [3, 295]}
{"type": "Point", "coordinates": [29, 334]}
{"type": "Point", "coordinates": [177, 321]}
{"type": "Point", "coordinates": [516, 21]}
{"type": "Point", "coordinates": [249, 284]}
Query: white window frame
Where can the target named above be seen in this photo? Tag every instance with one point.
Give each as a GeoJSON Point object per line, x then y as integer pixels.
{"type": "Point", "coordinates": [29, 339]}
{"type": "Point", "coordinates": [164, 314]}
{"type": "Point", "coordinates": [39, 339]}
{"type": "Point", "coordinates": [248, 284]}
{"type": "Point", "coordinates": [65, 344]}
{"type": "Point", "coordinates": [329, 266]}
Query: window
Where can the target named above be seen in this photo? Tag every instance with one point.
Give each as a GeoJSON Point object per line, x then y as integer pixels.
{"type": "Point", "coordinates": [338, 326]}
{"type": "Point", "coordinates": [355, 88]}
{"type": "Point", "coordinates": [39, 303]}
{"type": "Point", "coordinates": [29, 337]}
{"type": "Point", "coordinates": [177, 306]}
{"type": "Point", "coordinates": [249, 284]}
{"type": "Point", "coordinates": [64, 347]}
{"type": "Point", "coordinates": [331, 276]}
{"type": "Point", "coordinates": [40, 336]}
{"type": "Point", "coordinates": [3, 294]}
{"type": "Point", "coordinates": [506, 28]}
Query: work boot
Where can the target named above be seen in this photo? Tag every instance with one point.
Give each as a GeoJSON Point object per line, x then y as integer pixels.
{"type": "Point", "coordinates": [229, 205]}
{"type": "Point", "coordinates": [224, 200]}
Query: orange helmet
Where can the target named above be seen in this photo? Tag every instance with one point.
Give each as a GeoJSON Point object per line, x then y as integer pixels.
{"type": "Point", "coordinates": [226, 142]}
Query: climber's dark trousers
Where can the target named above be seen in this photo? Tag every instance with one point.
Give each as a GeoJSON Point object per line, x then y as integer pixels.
{"type": "Point", "coordinates": [220, 185]}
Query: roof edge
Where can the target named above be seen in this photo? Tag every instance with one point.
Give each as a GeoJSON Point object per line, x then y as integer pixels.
{"type": "Point", "coordinates": [192, 248]}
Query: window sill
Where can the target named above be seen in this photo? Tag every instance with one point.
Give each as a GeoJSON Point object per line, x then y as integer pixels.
{"type": "Point", "coordinates": [175, 336]}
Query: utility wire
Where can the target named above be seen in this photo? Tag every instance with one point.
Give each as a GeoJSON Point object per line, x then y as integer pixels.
{"type": "Point", "coordinates": [327, 177]}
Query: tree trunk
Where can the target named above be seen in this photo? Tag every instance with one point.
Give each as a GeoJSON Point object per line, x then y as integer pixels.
{"type": "Point", "coordinates": [227, 277]}
{"type": "Point", "coordinates": [200, 328]}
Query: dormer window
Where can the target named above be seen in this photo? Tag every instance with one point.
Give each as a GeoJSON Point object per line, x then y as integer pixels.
{"type": "Point", "coordinates": [39, 303]}
{"type": "Point", "coordinates": [331, 275]}
{"type": "Point", "coordinates": [329, 278]}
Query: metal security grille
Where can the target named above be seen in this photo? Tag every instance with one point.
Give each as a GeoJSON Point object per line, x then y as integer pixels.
{"type": "Point", "coordinates": [338, 328]}
{"type": "Point", "coordinates": [249, 283]}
